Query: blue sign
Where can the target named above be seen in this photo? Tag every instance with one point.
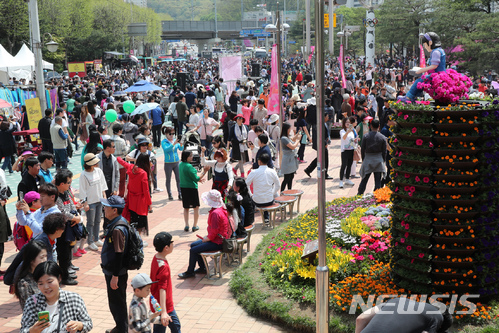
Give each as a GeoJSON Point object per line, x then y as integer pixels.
{"type": "Point", "coordinates": [292, 42]}
{"type": "Point", "coordinates": [172, 40]}
{"type": "Point", "coordinates": [254, 33]}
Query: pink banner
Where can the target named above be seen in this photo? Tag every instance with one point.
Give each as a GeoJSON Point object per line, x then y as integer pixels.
{"type": "Point", "coordinates": [54, 99]}
{"type": "Point", "coordinates": [273, 102]}
{"type": "Point", "coordinates": [230, 71]}
{"type": "Point", "coordinates": [422, 61]}
{"type": "Point", "coordinates": [342, 68]}
{"type": "Point", "coordinates": [311, 55]}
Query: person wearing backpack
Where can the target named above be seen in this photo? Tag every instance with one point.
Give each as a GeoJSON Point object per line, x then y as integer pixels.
{"type": "Point", "coordinates": [113, 261]}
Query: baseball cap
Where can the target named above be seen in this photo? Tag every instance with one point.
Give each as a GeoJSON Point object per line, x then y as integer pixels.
{"type": "Point", "coordinates": [114, 201]}
{"type": "Point", "coordinates": [31, 196]}
{"type": "Point", "coordinates": [161, 240]}
{"type": "Point", "coordinates": [141, 280]}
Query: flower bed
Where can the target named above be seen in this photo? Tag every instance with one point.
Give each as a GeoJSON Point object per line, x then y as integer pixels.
{"type": "Point", "coordinates": [459, 198]}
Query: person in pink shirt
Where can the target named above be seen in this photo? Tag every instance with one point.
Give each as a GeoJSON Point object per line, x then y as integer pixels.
{"type": "Point", "coordinates": [247, 110]}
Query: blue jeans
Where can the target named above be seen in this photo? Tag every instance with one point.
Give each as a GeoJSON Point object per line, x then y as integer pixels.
{"type": "Point", "coordinates": [181, 125]}
{"type": "Point", "coordinates": [207, 144]}
{"type": "Point", "coordinates": [61, 158]}
{"type": "Point", "coordinates": [414, 91]}
{"type": "Point", "coordinates": [194, 254]}
{"type": "Point", "coordinates": [7, 164]}
{"type": "Point", "coordinates": [94, 215]}
{"type": "Point", "coordinates": [174, 325]}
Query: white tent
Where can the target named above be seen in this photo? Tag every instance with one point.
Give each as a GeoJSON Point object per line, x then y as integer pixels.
{"type": "Point", "coordinates": [22, 66]}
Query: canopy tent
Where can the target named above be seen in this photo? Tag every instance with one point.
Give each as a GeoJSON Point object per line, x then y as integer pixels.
{"type": "Point", "coordinates": [143, 86]}
{"type": "Point", "coordinates": [22, 65]}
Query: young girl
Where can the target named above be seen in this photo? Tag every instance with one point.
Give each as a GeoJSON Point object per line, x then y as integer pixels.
{"type": "Point", "coordinates": [34, 254]}
{"type": "Point", "coordinates": [223, 176]}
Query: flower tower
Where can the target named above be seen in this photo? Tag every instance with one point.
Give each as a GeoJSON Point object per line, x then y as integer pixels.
{"type": "Point", "coordinates": [445, 186]}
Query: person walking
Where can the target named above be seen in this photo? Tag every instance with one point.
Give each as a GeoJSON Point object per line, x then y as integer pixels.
{"type": "Point", "coordinates": [44, 131]}
{"type": "Point", "coordinates": [206, 126]}
{"type": "Point", "coordinates": [325, 141]}
{"type": "Point", "coordinates": [189, 180]}
{"type": "Point", "coordinates": [60, 143]}
{"type": "Point", "coordinates": [238, 137]}
{"type": "Point", "coordinates": [373, 151]}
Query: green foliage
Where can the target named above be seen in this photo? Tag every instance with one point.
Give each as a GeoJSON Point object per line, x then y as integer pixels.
{"type": "Point", "coordinates": [14, 27]}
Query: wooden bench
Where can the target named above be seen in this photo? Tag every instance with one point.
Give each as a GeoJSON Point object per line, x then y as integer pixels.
{"type": "Point", "coordinates": [286, 201]}
{"type": "Point", "coordinates": [249, 230]}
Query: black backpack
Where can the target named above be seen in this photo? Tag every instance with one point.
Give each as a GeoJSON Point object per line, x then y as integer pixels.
{"type": "Point", "coordinates": [134, 248]}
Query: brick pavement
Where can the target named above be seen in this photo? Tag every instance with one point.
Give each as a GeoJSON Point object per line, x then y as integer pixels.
{"type": "Point", "coordinates": [202, 304]}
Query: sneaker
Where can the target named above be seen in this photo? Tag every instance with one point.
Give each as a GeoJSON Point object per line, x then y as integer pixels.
{"type": "Point", "coordinates": [302, 161]}
{"type": "Point", "coordinates": [145, 244]}
{"type": "Point", "coordinates": [99, 243]}
{"type": "Point", "coordinates": [93, 247]}
{"type": "Point", "coordinates": [77, 254]}
{"type": "Point", "coordinates": [82, 251]}
{"type": "Point", "coordinates": [341, 184]}
{"type": "Point", "coordinates": [157, 190]}
{"type": "Point", "coordinates": [170, 197]}
{"type": "Point", "coordinates": [69, 282]}
{"type": "Point", "coordinates": [349, 182]}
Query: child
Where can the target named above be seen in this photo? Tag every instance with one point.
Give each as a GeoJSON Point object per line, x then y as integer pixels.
{"type": "Point", "coordinates": [162, 291]}
{"type": "Point", "coordinates": [139, 317]}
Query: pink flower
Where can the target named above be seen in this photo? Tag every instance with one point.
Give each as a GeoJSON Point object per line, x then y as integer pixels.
{"type": "Point", "coordinates": [406, 227]}
{"type": "Point", "coordinates": [426, 179]}
{"type": "Point", "coordinates": [410, 194]}
{"type": "Point", "coordinates": [407, 175]}
{"type": "Point", "coordinates": [414, 130]}
{"type": "Point", "coordinates": [421, 255]}
{"type": "Point", "coordinates": [417, 179]}
{"type": "Point", "coordinates": [409, 248]}
{"type": "Point", "coordinates": [402, 240]}
{"type": "Point", "coordinates": [371, 257]}
{"type": "Point", "coordinates": [406, 235]}
{"type": "Point", "coordinates": [419, 142]}
{"type": "Point", "coordinates": [412, 260]}
{"type": "Point", "coordinates": [406, 116]}
{"type": "Point", "coordinates": [430, 145]}
{"type": "Point", "coordinates": [412, 189]}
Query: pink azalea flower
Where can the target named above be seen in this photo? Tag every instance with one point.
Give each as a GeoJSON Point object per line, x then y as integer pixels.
{"type": "Point", "coordinates": [414, 130]}
{"type": "Point", "coordinates": [417, 179]}
{"type": "Point", "coordinates": [421, 255]}
{"type": "Point", "coordinates": [409, 248]}
{"type": "Point", "coordinates": [426, 179]}
{"type": "Point", "coordinates": [402, 240]}
{"type": "Point", "coordinates": [419, 142]}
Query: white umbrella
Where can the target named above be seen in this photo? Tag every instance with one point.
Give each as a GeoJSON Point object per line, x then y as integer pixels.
{"type": "Point", "coordinates": [144, 108]}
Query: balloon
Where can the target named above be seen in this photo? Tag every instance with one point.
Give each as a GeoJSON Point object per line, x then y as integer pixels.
{"type": "Point", "coordinates": [128, 106]}
{"type": "Point", "coordinates": [111, 115]}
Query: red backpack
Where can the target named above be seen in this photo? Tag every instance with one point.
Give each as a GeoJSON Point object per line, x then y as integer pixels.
{"type": "Point", "coordinates": [20, 236]}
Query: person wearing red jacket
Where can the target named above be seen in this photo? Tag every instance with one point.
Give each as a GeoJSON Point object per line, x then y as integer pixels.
{"type": "Point", "coordinates": [218, 225]}
{"type": "Point", "coordinates": [138, 198]}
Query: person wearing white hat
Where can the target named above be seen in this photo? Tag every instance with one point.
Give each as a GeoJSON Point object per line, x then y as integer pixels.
{"type": "Point", "coordinates": [218, 228]}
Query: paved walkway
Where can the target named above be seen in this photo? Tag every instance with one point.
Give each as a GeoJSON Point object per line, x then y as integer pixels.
{"type": "Point", "coordinates": [202, 305]}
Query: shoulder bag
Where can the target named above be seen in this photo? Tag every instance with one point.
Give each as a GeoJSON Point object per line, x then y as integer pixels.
{"type": "Point", "coordinates": [229, 245]}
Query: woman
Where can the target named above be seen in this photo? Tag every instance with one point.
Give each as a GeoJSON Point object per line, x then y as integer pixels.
{"type": "Point", "coordinates": [274, 130]}
{"type": "Point", "coordinates": [93, 188]}
{"type": "Point", "coordinates": [219, 97]}
{"type": "Point", "coordinates": [233, 101]}
{"type": "Point", "coordinates": [223, 176]}
{"type": "Point", "coordinates": [349, 139]}
{"type": "Point", "coordinates": [138, 199]}
{"type": "Point", "coordinates": [172, 111]}
{"type": "Point", "coordinates": [34, 253]}
{"type": "Point", "coordinates": [247, 203]}
{"type": "Point", "coordinates": [218, 225]}
{"type": "Point", "coordinates": [246, 109]}
{"type": "Point", "coordinates": [85, 121]}
{"type": "Point", "coordinates": [93, 146]}
{"type": "Point", "coordinates": [237, 213]}
{"type": "Point", "coordinates": [289, 163]}
{"type": "Point", "coordinates": [206, 126]}
{"type": "Point", "coordinates": [8, 146]}
{"type": "Point", "coordinates": [301, 127]}
{"type": "Point", "coordinates": [67, 311]}
{"type": "Point", "coordinates": [217, 143]}
{"type": "Point", "coordinates": [238, 137]}
{"type": "Point", "coordinates": [211, 102]}
{"type": "Point", "coordinates": [170, 148]}
{"type": "Point", "coordinates": [189, 188]}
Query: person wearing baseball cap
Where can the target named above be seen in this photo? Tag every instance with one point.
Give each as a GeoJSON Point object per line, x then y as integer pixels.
{"type": "Point", "coordinates": [160, 272]}
{"type": "Point", "coordinates": [141, 317]}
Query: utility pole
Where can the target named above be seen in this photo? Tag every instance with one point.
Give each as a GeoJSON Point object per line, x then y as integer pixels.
{"type": "Point", "coordinates": [331, 27]}
{"type": "Point", "coordinates": [216, 21]}
{"type": "Point", "coordinates": [307, 27]}
{"type": "Point", "coordinates": [37, 50]}
{"type": "Point", "coordinates": [322, 271]}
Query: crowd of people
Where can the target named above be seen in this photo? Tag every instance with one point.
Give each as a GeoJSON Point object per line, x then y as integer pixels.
{"type": "Point", "coordinates": [206, 132]}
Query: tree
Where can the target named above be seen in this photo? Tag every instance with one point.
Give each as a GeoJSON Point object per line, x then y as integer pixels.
{"type": "Point", "coordinates": [14, 27]}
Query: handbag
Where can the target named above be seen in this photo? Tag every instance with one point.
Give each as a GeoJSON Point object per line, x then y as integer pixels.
{"type": "Point", "coordinates": [357, 154]}
{"type": "Point", "coordinates": [229, 245]}
{"type": "Point", "coordinates": [304, 139]}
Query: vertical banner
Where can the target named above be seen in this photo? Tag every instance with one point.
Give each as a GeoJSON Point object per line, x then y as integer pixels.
{"type": "Point", "coordinates": [34, 111]}
{"type": "Point", "coordinates": [422, 61]}
{"type": "Point", "coordinates": [230, 71]}
{"type": "Point", "coordinates": [342, 68]}
{"type": "Point", "coordinates": [54, 99]}
{"type": "Point", "coordinates": [311, 55]}
{"type": "Point", "coordinates": [273, 102]}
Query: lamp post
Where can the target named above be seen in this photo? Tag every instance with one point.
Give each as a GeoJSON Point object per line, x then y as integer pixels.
{"type": "Point", "coordinates": [37, 50]}
{"type": "Point", "coordinates": [52, 46]}
{"type": "Point", "coordinates": [370, 24]}
{"type": "Point", "coordinates": [322, 271]}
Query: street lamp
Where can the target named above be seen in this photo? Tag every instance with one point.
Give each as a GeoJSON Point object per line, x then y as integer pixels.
{"type": "Point", "coordinates": [52, 46]}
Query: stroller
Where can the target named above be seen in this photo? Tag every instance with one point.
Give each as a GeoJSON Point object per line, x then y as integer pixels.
{"type": "Point", "coordinates": [192, 142]}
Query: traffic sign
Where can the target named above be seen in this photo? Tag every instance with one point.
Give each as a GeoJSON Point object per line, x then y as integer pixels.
{"type": "Point", "coordinates": [326, 20]}
{"type": "Point", "coordinates": [334, 20]}
{"type": "Point", "coordinates": [352, 28]}
{"type": "Point", "coordinates": [292, 42]}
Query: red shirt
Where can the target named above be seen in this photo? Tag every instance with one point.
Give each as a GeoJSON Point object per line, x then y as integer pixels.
{"type": "Point", "coordinates": [218, 223]}
{"type": "Point", "coordinates": [160, 271]}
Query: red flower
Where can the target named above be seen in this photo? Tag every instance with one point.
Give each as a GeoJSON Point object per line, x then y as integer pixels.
{"type": "Point", "coordinates": [417, 179]}
{"type": "Point", "coordinates": [426, 179]}
{"type": "Point", "coordinates": [412, 189]}
{"type": "Point", "coordinates": [406, 235]}
{"type": "Point", "coordinates": [409, 248]}
{"type": "Point", "coordinates": [421, 255]}
{"type": "Point", "coordinates": [402, 240]}
{"type": "Point", "coordinates": [414, 129]}
{"type": "Point", "coordinates": [419, 142]}
{"type": "Point", "coordinates": [399, 163]}
{"type": "Point", "coordinates": [406, 175]}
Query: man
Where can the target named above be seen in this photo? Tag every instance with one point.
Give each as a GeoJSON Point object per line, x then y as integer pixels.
{"type": "Point", "coordinates": [265, 95]}
{"type": "Point", "coordinates": [263, 139]}
{"type": "Point", "coordinates": [384, 111]}
{"type": "Point", "coordinates": [158, 118]}
{"type": "Point", "coordinates": [121, 150]}
{"type": "Point", "coordinates": [387, 133]}
{"type": "Point", "coordinates": [44, 131]}
{"type": "Point", "coordinates": [260, 113]}
{"type": "Point", "coordinates": [372, 104]}
{"type": "Point", "coordinates": [65, 204]}
{"type": "Point", "coordinates": [266, 182]}
{"type": "Point", "coordinates": [48, 195]}
{"type": "Point", "coordinates": [112, 262]}
{"type": "Point", "coordinates": [380, 102]}
{"type": "Point", "coordinates": [30, 180]}
{"type": "Point", "coordinates": [190, 97]}
{"type": "Point", "coordinates": [396, 316]}
{"type": "Point", "coordinates": [110, 167]}
{"type": "Point", "coordinates": [46, 160]}
{"type": "Point", "coordinates": [373, 151]}
{"type": "Point", "coordinates": [60, 141]}
{"type": "Point", "coordinates": [182, 114]}
{"type": "Point", "coordinates": [325, 142]}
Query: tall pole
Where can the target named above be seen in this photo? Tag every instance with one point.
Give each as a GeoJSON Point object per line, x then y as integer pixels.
{"type": "Point", "coordinates": [278, 69]}
{"type": "Point", "coordinates": [322, 271]}
{"type": "Point", "coordinates": [307, 27]}
{"type": "Point", "coordinates": [216, 20]}
{"type": "Point", "coordinates": [331, 27]}
{"type": "Point", "coordinates": [370, 37]}
{"type": "Point", "coordinates": [37, 50]}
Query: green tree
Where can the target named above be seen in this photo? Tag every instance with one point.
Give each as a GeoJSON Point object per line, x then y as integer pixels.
{"type": "Point", "coordinates": [14, 27]}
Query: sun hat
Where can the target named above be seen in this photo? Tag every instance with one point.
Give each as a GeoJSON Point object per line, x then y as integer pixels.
{"type": "Point", "coordinates": [296, 98]}
{"type": "Point", "coordinates": [113, 201]}
{"type": "Point", "coordinates": [91, 159]}
{"type": "Point", "coordinates": [141, 280]}
{"type": "Point", "coordinates": [368, 118]}
{"type": "Point", "coordinates": [311, 101]}
{"type": "Point", "coordinates": [138, 103]}
{"type": "Point", "coordinates": [273, 118]}
{"type": "Point", "coordinates": [27, 152]}
{"type": "Point", "coordinates": [213, 198]}
{"type": "Point", "coordinates": [31, 196]}
{"type": "Point", "coordinates": [239, 116]}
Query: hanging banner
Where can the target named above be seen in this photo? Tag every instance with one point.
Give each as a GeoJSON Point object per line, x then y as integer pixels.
{"type": "Point", "coordinates": [34, 111]}
{"type": "Point", "coordinates": [230, 70]}
{"type": "Point", "coordinates": [422, 61]}
{"type": "Point", "coordinates": [342, 68]}
{"type": "Point", "coordinates": [54, 99]}
{"type": "Point", "coordinates": [312, 49]}
{"type": "Point", "coordinates": [273, 102]}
